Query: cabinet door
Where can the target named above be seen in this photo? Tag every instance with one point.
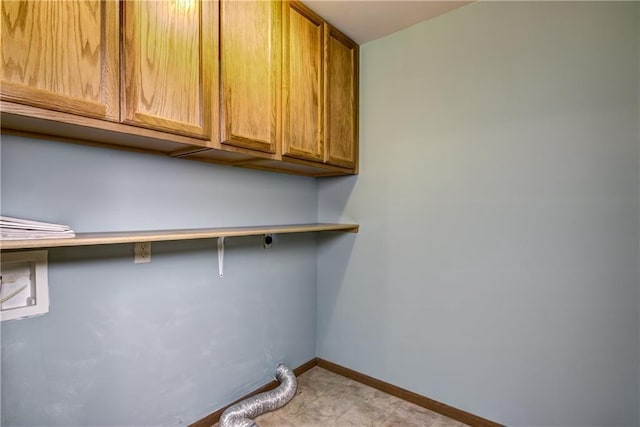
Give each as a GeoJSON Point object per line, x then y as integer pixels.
{"type": "Point", "coordinates": [341, 99]}
{"type": "Point", "coordinates": [168, 53]}
{"type": "Point", "coordinates": [302, 83]}
{"type": "Point", "coordinates": [250, 43]}
{"type": "Point", "coordinates": [61, 55]}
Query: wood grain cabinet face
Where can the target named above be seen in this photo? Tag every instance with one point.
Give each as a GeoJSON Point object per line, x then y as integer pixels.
{"type": "Point", "coordinates": [250, 44]}
{"type": "Point", "coordinates": [302, 83]}
{"type": "Point", "coordinates": [341, 99]}
{"type": "Point", "coordinates": [61, 55]}
{"type": "Point", "coordinates": [169, 59]}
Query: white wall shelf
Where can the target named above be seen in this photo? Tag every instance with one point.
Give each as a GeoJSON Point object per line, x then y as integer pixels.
{"type": "Point", "coordinates": [109, 238]}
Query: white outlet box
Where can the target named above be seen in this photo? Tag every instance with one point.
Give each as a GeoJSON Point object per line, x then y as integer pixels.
{"type": "Point", "coordinates": [24, 287]}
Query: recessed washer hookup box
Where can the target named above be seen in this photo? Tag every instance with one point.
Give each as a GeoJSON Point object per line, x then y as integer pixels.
{"type": "Point", "coordinates": [24, 288]}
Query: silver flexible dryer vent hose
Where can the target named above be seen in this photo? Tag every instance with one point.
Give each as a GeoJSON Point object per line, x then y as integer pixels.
{"type": "Point", "coordinates": [242, 413]}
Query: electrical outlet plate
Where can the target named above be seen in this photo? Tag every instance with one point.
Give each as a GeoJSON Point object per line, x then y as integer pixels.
{"type": "Point", "coordinates": [142, 252]}
{"type": "Point", "coordinates": [25, 289]}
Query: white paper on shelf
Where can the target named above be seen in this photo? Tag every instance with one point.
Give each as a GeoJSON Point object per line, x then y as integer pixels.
{"type": "Point", "coordinates": [20, 229]}
{"type": "Point", "coordinates": [9, 222]}
{"type": "Point", "coordinates": [11, 235]}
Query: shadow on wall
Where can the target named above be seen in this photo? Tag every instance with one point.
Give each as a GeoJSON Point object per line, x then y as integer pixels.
{"type": "Point", "coordinates": [334, 194]}
{"type": "Point", "coordinates": [347, 299]}
{"type": "Point", "coordinates": [334, 255]}
{"type": "Point", "coordinates": [334, 252]}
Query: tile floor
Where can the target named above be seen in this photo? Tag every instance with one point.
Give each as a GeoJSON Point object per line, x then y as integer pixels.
{"type": "Point", "coordinates": [327, 399]}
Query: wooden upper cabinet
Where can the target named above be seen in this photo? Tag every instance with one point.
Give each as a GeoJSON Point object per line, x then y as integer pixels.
{"type": "Point", "coordinates": [341, 99]}
{"type": "Point", "coordinates": [250, 43]}
{"type": "Point", "coordinates": [61, 55]}
{"type": "Point", "coordinates": [170, 58]}
{"type": "Point", "coordinates": [302, 82]}
{"type": "Point", "coordinates": [266, 84]}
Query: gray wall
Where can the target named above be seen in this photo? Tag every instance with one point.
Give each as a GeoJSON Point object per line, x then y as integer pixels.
{"type": "Point", "coordinates": [164, 343]}
{"type": "Point", "coordinates": [496, 269]}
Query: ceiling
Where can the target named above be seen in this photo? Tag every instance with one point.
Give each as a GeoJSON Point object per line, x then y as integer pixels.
{"type": "Point", "coordinates": [367, 20]}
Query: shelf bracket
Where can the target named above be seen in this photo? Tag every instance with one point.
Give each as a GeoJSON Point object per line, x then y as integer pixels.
{"type": "Point", "coordinates": [221, 256]}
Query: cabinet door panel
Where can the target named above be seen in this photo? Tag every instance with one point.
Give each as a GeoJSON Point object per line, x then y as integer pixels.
{"type": "Point", "coordinates": [302, 83]}
{"type": "Point", "coordinates": [61, 55]}
{"type": "Point", "coordinates": [341, 100]}
{"type": "Point", "coordinates": [250, 38]}
{"type": "Point", "coordinates": [168, 65]}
